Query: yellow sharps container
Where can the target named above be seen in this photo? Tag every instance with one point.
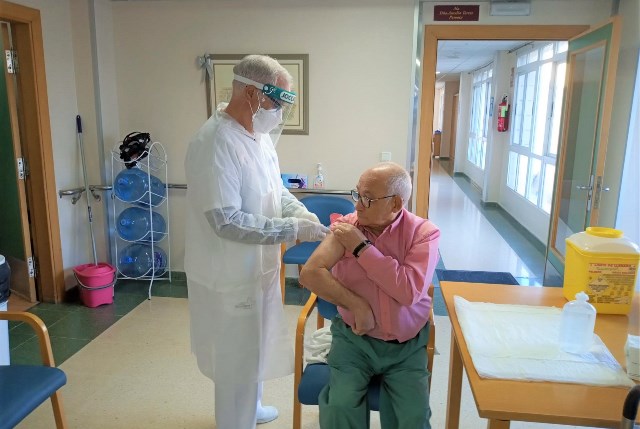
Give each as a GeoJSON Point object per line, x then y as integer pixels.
{"type": "Point", "coordinates": [603, 264]}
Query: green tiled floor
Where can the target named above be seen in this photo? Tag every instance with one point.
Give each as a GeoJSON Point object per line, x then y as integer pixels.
{"type": "Point", "coordinates": [72, 325]}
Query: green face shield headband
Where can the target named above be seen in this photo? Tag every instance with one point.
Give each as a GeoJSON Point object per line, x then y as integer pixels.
{"type": "Point", "coordinates": [273, 92]}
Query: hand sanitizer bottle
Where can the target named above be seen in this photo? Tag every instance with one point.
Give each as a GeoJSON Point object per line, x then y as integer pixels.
{"type": "Point", "coordinates": [576, 325]}
{"type": "Point", "coordinates": [318, 182]}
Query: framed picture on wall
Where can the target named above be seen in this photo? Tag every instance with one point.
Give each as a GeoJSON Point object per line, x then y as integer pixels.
{"type": "Point", "coordinates": [296, 64]}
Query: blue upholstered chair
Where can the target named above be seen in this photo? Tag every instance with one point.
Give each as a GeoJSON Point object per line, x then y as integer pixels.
{"type": "Point", "coordinates": [310, 380]}
{"type": "Point", "coordinates": [24, 387]}
{"type": "Point", "coordinates": [322, 206]}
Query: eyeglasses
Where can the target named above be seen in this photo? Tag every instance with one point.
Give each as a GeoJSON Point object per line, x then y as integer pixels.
{"type": "Point", "coordinates": [355, 195]}
{"type": "Point", "coordinates": [275, 103]}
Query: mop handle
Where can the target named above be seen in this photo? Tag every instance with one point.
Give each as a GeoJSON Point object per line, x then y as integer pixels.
{"type": "Point", "coordinates": [86, 188]}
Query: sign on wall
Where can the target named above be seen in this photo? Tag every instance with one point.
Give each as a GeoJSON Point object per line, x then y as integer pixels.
{"type": "Point", "coordinates": [456, 12]}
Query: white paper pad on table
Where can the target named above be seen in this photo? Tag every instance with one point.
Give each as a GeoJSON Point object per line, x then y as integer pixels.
{"type": "Point", "coordinates": [520, 342]}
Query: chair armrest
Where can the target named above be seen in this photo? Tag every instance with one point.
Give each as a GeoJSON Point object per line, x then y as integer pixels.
{"type": "Point", "coordinates": [432, 336]}
{"type": "Point", "coordinates": [299, 342]}
{"type": "Point", "coordinates": [39, 327]}
{"type": "Point", "coordinates": [431, 344]}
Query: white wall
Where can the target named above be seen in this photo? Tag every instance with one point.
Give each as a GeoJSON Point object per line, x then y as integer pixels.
{"type": "Point", "coordinates": [629, 11]}
{"type": "Point", "coordinates": [497, 142]}
{"type": "Point", "coordinates": [464, 116]}
{"type": "Point", "coordinates": [533, 218]}
{"type": "Point", "coordinates": [94, 68]}
{"type": "Point", "coordinates": [451, 88]}
{"type": "Point", "coordinates": [629, 208]}
{"type": "Point", "coordinates": [437, 108]}
{"type": "Point", "coordinates": [360, 63]}
{"type": "Point", "coordinates": [493, 179]}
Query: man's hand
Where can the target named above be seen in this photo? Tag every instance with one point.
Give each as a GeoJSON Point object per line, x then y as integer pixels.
{"type": "Point", "coordinates": [347, 235]}
{"type": "Point", "coordinates": [364, 320]}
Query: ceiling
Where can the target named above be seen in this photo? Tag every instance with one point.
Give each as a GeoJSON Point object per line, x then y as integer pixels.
{"type": "Point", "coordinates": [457, 56]}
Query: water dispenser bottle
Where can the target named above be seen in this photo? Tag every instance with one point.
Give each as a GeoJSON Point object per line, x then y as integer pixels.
{"type": "Point", "coordinates": [134, 224]}
{"type": "Point", "coordinates": [576, 325]}
{"type": "Point", "coordinates": [132, 186]}
{"type": "Point", "coordinates": [136, 260]}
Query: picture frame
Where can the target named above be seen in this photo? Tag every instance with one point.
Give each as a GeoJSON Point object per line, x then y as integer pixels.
{"type": "Point", "coordinates": [297, 64]}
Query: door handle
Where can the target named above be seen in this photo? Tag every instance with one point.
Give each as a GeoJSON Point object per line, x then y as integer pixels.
{"type": "Point", "coordinates": [599, 190]}
{"type": "Point", "coordinates": [584, 188]}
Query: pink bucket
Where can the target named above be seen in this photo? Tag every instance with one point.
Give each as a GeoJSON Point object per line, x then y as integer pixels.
{"type": "Point", "coordinates": [96, 283]}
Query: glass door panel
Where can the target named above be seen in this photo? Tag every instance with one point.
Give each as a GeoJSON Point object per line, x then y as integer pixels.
{"type": "Point", "coordinates": [591, 64]}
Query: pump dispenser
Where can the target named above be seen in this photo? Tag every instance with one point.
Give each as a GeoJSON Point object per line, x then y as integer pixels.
{"type": "Point", "coordinates": [576, 325]}
{"type": "Point", "coordinates": [318, 182]}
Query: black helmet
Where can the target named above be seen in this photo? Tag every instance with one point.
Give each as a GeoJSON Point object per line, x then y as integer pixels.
{"type": "Point", "coordinates": [134, 148]}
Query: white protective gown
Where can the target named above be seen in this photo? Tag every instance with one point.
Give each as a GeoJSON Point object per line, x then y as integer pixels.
{"type": "Point", "coordinates": [237, 216]}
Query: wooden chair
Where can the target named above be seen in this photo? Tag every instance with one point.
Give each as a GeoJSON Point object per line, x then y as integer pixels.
{"type": "Point", "coordinates": [316, 375]}
{"type": "Point", "coordinates": [24, 387]}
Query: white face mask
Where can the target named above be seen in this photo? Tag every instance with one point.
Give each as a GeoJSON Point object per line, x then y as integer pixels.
{"type": "Point", "coordinates": [266, 120]}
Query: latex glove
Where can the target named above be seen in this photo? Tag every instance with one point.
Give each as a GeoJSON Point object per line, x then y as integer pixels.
{"type": "Point", "coordinates": [311, 231]}
{"type": "Point", "coordinates": [309, 216]}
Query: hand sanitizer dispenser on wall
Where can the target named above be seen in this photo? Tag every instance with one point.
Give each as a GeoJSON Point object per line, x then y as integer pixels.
{"type": "Point", "coordinates": [318, 182]}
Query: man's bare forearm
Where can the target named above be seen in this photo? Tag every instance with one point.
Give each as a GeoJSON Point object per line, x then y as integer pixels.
{"type": "Point", "coordinates": [322, 283]}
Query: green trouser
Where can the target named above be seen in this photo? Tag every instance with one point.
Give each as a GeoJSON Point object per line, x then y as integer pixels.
{"type": "Point", "coordinates": [354, 360]}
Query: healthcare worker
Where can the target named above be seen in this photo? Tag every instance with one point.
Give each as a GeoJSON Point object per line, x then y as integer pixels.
{"type": "Point", "coordinates": [238, 213]}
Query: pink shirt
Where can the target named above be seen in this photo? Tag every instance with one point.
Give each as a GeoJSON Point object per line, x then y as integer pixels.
{"type": "Point", "coordinates": [393, 275]}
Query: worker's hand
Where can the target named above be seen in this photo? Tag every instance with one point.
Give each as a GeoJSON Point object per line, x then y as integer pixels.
{"type": "Point", "coordinates": [348, 235]}
{"type": "Point", "coordinates": [309, 216]}
{"type": "Point", "coordinates": [364, 320]}
{"type": "Point", "coordinates": [311, 231]}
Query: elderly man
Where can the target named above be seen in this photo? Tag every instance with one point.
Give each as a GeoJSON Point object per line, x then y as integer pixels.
{"type": "Point", "coordinates": [238, 213]}
{"type": "Point", "coordinates": [382, 259]}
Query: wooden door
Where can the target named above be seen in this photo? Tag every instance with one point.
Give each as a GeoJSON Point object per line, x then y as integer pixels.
{"type": "Point", "coordinates": [15, 231]}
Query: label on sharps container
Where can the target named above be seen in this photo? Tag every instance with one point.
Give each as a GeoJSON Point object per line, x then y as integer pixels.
{"type": "Point", "coordinates": [611, 283]}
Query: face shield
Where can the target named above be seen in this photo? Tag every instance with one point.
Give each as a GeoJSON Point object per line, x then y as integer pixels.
{"type": "Point", "coordinates": [275, 107]}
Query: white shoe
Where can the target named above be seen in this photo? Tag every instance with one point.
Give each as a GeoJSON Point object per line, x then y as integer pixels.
{"type": "Point", "coordinates": [266, 414]}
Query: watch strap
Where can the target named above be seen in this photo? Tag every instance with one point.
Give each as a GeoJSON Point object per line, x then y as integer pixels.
{"type": "Point", "coordinates": [359, 247]}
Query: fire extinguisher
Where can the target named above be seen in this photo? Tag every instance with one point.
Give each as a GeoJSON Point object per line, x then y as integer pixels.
{"type": "Point", "coordinates": [503, 115]}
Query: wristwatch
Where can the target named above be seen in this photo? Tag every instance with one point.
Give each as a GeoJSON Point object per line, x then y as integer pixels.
{"type": "Point", "coordinates": [359, 247]}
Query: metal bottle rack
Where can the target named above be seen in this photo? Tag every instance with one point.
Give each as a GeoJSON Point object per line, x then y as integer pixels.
{"type": "Point", "coordinates": [153, 162]}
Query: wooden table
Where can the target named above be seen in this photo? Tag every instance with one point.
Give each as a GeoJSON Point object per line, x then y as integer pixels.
{"type": "Point", "coordinates": [501, 401]}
